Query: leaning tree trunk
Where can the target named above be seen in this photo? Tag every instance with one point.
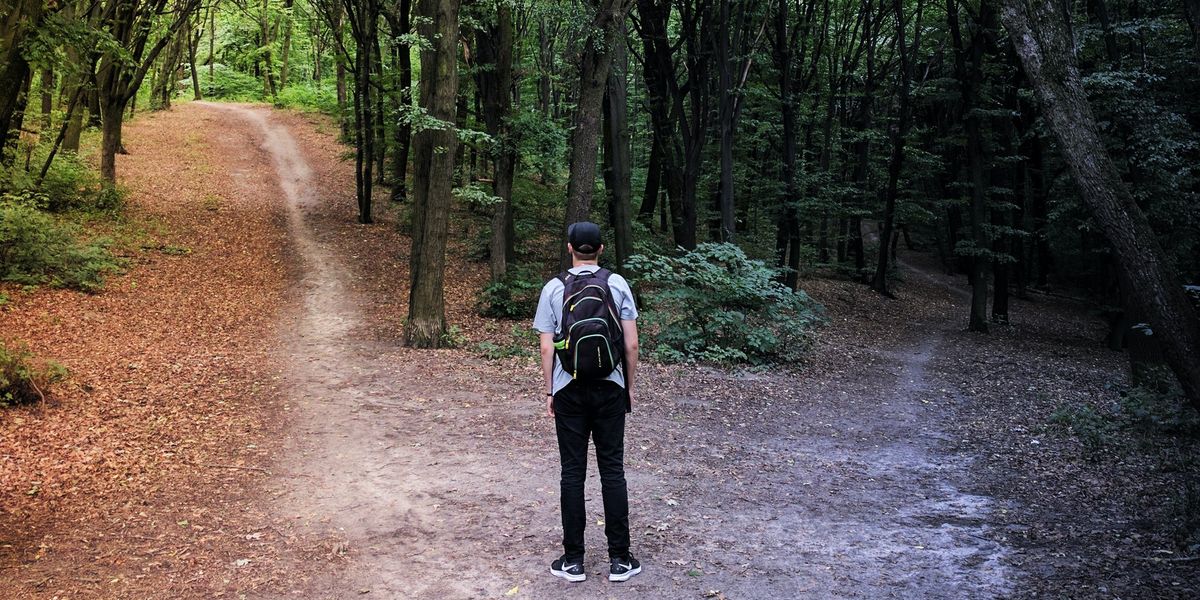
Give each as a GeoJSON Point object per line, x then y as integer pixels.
{"type": "Point", "coordinates": [435, 150]}
{"type": "Point", "coordinates": [593, 77]}
{"type": "Point", "coordinates": [1040, 36]}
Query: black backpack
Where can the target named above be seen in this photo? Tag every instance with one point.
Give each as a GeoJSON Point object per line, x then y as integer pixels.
{"type": "Point", "coordinates": [590, 344]}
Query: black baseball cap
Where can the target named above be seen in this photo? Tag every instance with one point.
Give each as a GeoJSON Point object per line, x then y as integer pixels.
{"type": "Point", "coordinates": [584, 237]}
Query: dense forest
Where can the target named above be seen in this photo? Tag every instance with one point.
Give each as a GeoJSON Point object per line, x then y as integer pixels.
{"type": "Point", "coordinates": [1034, 145]}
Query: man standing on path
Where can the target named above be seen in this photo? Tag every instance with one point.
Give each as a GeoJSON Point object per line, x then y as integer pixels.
{"type": "Point", "coordinates": [589, 359]}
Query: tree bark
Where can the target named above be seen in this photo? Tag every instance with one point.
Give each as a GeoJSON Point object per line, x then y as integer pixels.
{"type": "Point", "coordinates": [402, 131]}
{"type": "Point", "coordinates": [593, 78]}
{"type": "Point", "coordinates": [617, 151]}
{"type": "Point", "coordinates": [494, 83]}
{"type": "Point", "coordinates": [434, 170]}
{"type": "Point", "coordinates": [1039, 33]}
{"type": "Point", "coordinates": [900, 137]}
{"type": "Point", "coordinates": [23, 18]}
{"type": "Point", "coordinates": [286, 52]}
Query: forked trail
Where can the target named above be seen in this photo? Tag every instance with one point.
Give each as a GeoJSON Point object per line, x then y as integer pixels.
{"type": "Point", "coordinates": [439, 474]}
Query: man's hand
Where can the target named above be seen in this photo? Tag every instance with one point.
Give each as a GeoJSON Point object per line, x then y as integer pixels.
{"type": "Point", "coordinates": [550, 406]}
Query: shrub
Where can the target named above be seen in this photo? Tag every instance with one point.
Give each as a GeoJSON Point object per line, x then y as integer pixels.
{"type": "Point", "coordinates": [714, 304]}
{"type": "Point", "coordinates": [70, 184]}
{"type": "Point", "coordinates": [229, 84]}
{"type": "Point", "coordinates": [514, 297]}
{"type": "Point", "coordinates": [309, 96]}
{"type": "Point", "coordinates": [37, 249]}
{"type": "Point", "coordinates": [24, 378]}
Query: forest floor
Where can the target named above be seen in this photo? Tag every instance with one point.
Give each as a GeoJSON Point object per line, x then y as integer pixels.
{"type": "Point", "coordinates": [242, 421]}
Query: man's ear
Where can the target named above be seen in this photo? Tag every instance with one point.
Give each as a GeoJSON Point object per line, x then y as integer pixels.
{"type": "Point", "coordinates": [600, 251]}
{"type": "Point", "coordinates": [570, 249]}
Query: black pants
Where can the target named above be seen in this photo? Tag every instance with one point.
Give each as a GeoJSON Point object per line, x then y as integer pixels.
{"type": "Point", "coordinates": [595, 410]}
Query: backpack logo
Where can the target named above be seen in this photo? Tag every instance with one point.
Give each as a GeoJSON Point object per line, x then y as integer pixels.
{"type": "Point", "coordinates": [590, 344]}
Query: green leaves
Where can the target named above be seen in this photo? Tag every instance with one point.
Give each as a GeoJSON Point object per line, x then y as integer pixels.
{"type": "Point", "coordinates": [716, 305]}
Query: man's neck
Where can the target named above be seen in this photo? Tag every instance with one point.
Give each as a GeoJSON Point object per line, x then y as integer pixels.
{"type": "Point", "coordinates": [583, 263]}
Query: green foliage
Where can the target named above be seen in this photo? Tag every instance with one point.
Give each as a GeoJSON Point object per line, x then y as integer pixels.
{"type": "Point", "coordinates": [35, 249]}
{"type": "Point", "coordinates": [454, 337]}
{"type": "Point", "coordinates": [1093, 429]}
{"type": "Point", "coordinates": [520, 344]}
{"type": "Point", "coordinates": [23, 377]}
{"type": "Point", "coordinates": [515, 296]}
{"type": "Point", "coordinates": [70, 185]}
{"type": "Point", "coordinates": [230, 84]}
{"type": "Point", "coordinates": [714, 304]}
{"type": "Point", "coordinates": [541, 143]}
{"type": "Point", "coordinates": [309, 97]}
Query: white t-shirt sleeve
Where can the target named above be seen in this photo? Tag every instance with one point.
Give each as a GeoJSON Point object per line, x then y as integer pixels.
{"type": "Point", "coordinates": [624, 297]}
{"type": "Point", "coordinates": [544, 320]}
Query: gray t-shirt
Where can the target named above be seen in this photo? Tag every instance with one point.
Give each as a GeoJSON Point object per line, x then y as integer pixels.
{"type": "Point", "coordinates": [549, 316]}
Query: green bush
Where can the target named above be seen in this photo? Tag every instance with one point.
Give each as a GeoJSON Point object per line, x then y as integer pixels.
{"type": "Point", "coordinates": [515, 296]}
{"type": "Point", "coordinates": [229, 84]}
{"type": "Point", "coordinates": [309, 96]}
{"type": "Point", "coordinates": [23, 378]}
{"type": "Point", "coordinates": [37, 249]}
{"type": "Point", "coordinates": [70, 184]}
{"type": "Point", "coordinates": [714, 304]}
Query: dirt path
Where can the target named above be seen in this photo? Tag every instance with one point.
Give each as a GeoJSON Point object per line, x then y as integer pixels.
{"type": "Point", "coordinates": [439, 474]}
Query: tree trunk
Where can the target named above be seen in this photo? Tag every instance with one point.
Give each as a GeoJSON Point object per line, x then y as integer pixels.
{"type": "Point", "coordinates": [264, 28]}
{"type": "Point", "coordinates": [617, 151]}
{"type": "Point", "coordinates": [1040, 36]}
{"type": "Point", "coordinates": [494, 85]}
{"type": "Point", "coordinates": [593, 77]}
{"type": "Point", "coordinates": [24, 17]}
{"type": "Point", "coordinates": [340, 70]}
{"type": "Point", "coordinates": [113, 114]}
{"type": "Point", "coordinates": [900, 137]}
{"type": "Point", "coordinates": [47, 88]}
{"type": "Point", "coordinates": [286, 52]}
{"type": "Point", "coordinates": [435, 148]}
{"type": "Point", "coordinates": [403, 131]}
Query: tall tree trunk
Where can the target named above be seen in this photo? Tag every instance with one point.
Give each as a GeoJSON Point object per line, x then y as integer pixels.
{"type": "Point", "coordinates": [617, 150]}
{"type": "Point", "coordinates": [653, 184]}
{"type": "Point", "coordinates": [1039, 33]}
{"type": "Point", "coordinates": [264, 28]}
{"type": "Point", "coordinates": [193, 40]}
{"type": "Point", "coordinates": [495, 82]}
{"type": "Point", "coordinates": [900, 137]}
{"type": "Point", "coordinates": [593, 77]}
{"type": "Point", "coordinates": [340, 70]}
{"type": "Point", "coordinates": [402, 131]}
{"type": "Point", "coordinates": [23, 18]}
{"type": "Point", "coordinates": [725, 122]}
{"type": "Point", "coordinates": [434, 170]}
{"type": "Point", "coordinates": [970, 79]}
{"type": "Point", "coordinates": [47, 89]}
{"type": "Point", "coordinates": [286, 52]}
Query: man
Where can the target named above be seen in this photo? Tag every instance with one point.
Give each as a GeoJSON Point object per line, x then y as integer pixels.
{"type": "Point", "coordinates": [590, 401]}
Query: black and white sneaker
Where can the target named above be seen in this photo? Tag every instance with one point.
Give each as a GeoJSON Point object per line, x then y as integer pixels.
{"type": "Point", "coordinates": [623, 568]}
{"type": "Point", "coordinates": [570, 570]}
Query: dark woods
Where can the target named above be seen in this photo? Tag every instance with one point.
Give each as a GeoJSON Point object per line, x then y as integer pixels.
{"type": "Point", "coordinates": [1032, 146]}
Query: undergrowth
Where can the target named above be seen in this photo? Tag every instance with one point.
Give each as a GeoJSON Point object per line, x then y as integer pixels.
{"type": "Point", "coordinates": [23, 377]}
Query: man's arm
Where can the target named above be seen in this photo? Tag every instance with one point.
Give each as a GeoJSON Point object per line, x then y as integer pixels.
{"type": "Point", "coordinates": [546, 342]}
{"type": "Point", "coordinates": [629, 329]}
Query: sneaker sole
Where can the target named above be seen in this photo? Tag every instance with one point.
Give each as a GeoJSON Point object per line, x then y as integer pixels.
{"type": "Point", "coordinates": [568, 576]}
{"type": "Point", "coordinates": [624, 576]}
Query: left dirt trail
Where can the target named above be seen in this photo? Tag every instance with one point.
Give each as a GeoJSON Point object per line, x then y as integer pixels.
{"type": "Point", "coordinates": [336, 478]}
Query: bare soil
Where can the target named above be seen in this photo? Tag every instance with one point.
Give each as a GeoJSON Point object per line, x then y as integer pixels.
{"type": "Point", "coordinates": [898, 462]}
